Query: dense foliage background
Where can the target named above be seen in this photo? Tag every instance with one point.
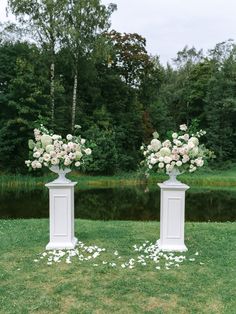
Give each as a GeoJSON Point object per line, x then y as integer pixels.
{"type": "Point", "coordinates": [82, 73]}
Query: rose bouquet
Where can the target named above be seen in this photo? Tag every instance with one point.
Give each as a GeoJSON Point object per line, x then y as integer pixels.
{"type": "Point", "coordinates": [181, 152]}
{"type": "Point", "coordinates": [51, 150]}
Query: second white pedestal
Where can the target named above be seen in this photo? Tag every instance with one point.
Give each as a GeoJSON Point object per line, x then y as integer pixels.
{"type": "Point", "coordinates": [172, 217]}
{"type": "Point", "coordinates": [61, 215]}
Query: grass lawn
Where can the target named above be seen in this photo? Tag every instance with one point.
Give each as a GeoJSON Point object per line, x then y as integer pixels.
{"type": "Point", "coordinates": [206, 285]}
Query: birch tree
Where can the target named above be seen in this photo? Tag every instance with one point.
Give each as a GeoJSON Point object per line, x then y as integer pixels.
{"type": "Point", "coordinates": [84, 22]}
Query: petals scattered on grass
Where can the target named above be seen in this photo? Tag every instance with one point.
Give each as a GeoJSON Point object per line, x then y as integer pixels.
{"type": "Point", "coordinates": [144, 255]}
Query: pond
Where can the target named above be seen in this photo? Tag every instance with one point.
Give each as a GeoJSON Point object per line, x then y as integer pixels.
{"type": "Point", "coordinates": [129, 203]}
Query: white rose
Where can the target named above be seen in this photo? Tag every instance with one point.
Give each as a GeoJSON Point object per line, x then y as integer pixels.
{"type": "Point", "coordinates": [64, 146]}
{"type": "Point", "coordinates": [67, 161]}
{"type": "Point", "coordinates": [161, 159]}
{"type": "Point", "coordinates": [161, 165]}
{"type": "Point", "coordinates": [83, 141]}
{"type": "Point", "coordinates": [69, 137]}
{"type": "Point", "coordinates": [155, 144]}
{"type": "Point", "coordinates": [167, 159]}
{"type": "Point", "coordinates": [183, 127]}
{"type": "Point", "coordinates": [186, 137]}
{"type": "Point", "coordinates": [38, 165]}
{"type": "Point", "coordinates": [199, 162]}
{"type": "Point", "coordinates": [53, 153]}
{"type": "Point", "coordinates": [88, 151]}
{"type": "Point", "coordinates": [153, 161]}
{"type": "Point", "coordinates": [36, 132]}
{"type": "Point", "coordinates": [194, 140]}
{"type": "Point", "coordinates": [72, 156]}
{"type": "Point", "coordinates": [177, 142]}
{"type": "Point", "coordinates": [36, 154]}
{"type": "Point", "coordinates": [77, 164]}
{"type": "Point", "coordinates": [34, 164]}
{"type": "Point", "coordinates": [54, 161]}
{"type": "Point", "coordinates": [70, 145]}
{"type": "Point", "coordinates": [166, 143]}
{"type": "Point", "coordinates": [55, 137]}
{"type": "Point", "coordinates": [179, 163]}
{"type": "Point", "coordinates": [174, 135]}
{"type": "Point", "coordinates": [38, 138]}
{"type": "Point", "coordinates": [27, 162]}
{"type": "Point", "coordinates": [191, 145]}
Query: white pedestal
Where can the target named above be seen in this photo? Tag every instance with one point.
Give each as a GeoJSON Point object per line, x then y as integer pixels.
{"type": "Point", "coordinates": [172, 217]}
{"type": "Point", "coordinates": [61, 214]}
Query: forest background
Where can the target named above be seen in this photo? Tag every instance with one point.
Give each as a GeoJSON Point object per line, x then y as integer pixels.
{"type": "Point", "coordinates": [63, 66]}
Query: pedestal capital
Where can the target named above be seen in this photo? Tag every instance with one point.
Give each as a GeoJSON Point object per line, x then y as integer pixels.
{"type": "Point", "coordinates": [60, 185]}
{"type": "Point", "coordinates": [180, 187]}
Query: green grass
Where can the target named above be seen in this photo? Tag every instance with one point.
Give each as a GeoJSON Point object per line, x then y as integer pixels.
{"type": "Point", "coordinates": [28, 287]}
{"type": "Point", "coordinates": [207, 178]}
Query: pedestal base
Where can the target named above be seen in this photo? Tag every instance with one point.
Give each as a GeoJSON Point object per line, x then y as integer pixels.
{"type": "Point", "coordinates": [172, 217]}
{"type": "Point", "coordinates": [61, 201]}
{"type": "Point", "coordinates": [62, 246]}
{"type": "Point", "coordinates": [171, 248]}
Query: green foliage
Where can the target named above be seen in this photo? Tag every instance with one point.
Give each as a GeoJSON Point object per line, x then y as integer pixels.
{"type": "Point", "coordinates": [105, 157]}
{"type": "Point", "coordinates": [120, 94]}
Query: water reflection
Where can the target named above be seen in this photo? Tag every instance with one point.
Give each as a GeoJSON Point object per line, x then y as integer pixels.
{"type": "Point", "coordinates": [122, 204]}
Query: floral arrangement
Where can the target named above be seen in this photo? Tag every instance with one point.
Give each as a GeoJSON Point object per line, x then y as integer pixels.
{"type": "Point", "coordinates": [182, 152]}
{"type": "Point", "coordinates": [50, 149]}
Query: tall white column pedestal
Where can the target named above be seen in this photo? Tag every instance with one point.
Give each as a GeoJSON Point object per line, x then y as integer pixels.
{"type": "Point", "coordinates": [172, 217]}
{"type": "Point", "coordinates": [61, 215]}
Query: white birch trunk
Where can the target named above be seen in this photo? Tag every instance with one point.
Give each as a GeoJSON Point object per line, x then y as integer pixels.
{"type": "Point", "coordinates": [74, 102]}
{"type": "Point", "coordinates": [52, 92]}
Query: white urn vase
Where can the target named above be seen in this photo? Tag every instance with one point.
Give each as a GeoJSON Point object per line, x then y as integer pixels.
{"type": "Point", "coordinates": [61, 174]}
{"type": "Point", "coordinates": [173, 177]}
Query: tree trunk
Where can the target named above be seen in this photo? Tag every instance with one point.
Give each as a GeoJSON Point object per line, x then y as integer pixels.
{"type": "Point", "coordinates": [74, 101]}
{"type": "Point", "coordinates": [52, 92]}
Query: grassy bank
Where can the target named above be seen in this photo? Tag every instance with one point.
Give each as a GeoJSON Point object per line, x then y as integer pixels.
{"type": "Point", "coordinates": [207, 178]}
{"type": "Point", "coordinates": [206, 285]}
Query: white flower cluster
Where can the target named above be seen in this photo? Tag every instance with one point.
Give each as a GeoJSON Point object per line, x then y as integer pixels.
{"type": "Point", "coordinates": [52, 150]}
{"type": "Point", "coordinates": [182, 151]}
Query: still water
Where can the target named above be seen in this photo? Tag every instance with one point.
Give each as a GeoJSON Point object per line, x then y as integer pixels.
{"type": "Point", "coordinates": [129, 203]}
